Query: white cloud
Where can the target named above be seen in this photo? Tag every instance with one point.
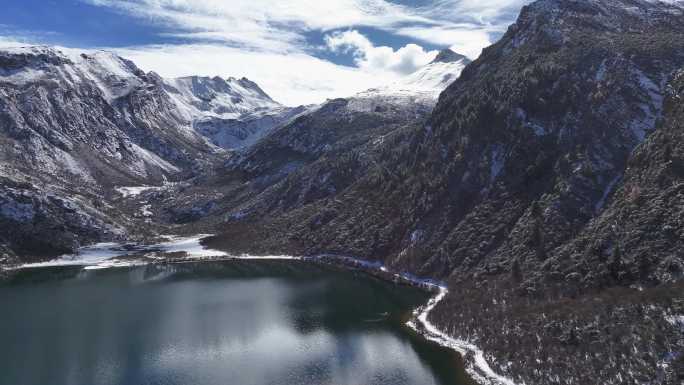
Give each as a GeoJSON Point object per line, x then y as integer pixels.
{"type": "Point", "coordinates": [291, 79]}
{"type": "Point", "coordinates": [281, 26]}
{"type": "Point", "coordinates": [10, 37]}
{"type": "Point", "coordinates": [403, 61]}
{"type": "Point", "coordinates": [6, 42]}
{"type": "Point", "coordinates": [269, 41]}
{"type": "Point", "coordinates": [484, 13]}
{"type": "Point", "coordinates": [464, 40]}
{"type": "Point", "coordinates": [264, 24]}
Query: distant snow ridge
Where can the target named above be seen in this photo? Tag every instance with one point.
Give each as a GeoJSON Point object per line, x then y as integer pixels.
{"type": "Point", "coordinates": [67, 103]}
{"type": "Point", "coordinates": [423, 86]}
{"type": "Point", "coordinates": [113, 75]}
{"type": "Point", "coordinates": [202, 97]}
{"type": "Point", "coordinates": [232, 113]}
{"type": "Point", "coordinates": [436, 76]}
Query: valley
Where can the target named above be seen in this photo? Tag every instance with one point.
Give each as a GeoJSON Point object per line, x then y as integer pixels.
{"type": "Point", "coordinates": [540, 184]}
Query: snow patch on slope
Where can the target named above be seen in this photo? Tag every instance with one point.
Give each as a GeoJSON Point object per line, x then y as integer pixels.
{"type": "Point", "coordinates": [497, 162]}
{"type": "Point", "coordinates": [103, 255]}
{"type": "Point", "coordinates": [134, 191]}
{"type": "Point", "coordinates": [88, 255]}
{"type": "Point", "coordinates": [606, 192]}
{"type": "Point", "coordinates": [113, 75]}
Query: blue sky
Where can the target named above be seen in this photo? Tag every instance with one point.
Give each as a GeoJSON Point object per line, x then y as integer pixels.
{"type": "Point", "coordinates": [300, 51]}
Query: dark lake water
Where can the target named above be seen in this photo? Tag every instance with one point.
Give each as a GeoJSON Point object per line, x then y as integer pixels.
{"type": "Point", "coordinates": [228, 323]}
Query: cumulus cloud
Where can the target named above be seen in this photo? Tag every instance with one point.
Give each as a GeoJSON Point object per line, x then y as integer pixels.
{"type": "Point", "coordinates": [462, 39]}
{"type": "Point", "coordinates": [269, 41]}
{"type": "Point", "coordinates": [281, 26]}
{"type": "Point", "coordinates": [367, 56]}
{"type": "Point", "coordinates": [264, 24]}
{"type": "Point", "coordinates": [292, 79]}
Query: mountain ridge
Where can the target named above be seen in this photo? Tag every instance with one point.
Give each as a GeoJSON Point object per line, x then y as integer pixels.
{"type": "Point", "coordinates": [76, 125]}
{"type": "Point", "coordinates": [543, 185]}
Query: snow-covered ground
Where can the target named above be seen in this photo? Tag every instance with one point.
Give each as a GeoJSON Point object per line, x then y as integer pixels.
{"type": "Point", "coordinates": [134, 191]}
{"type": "Point", "coordinates": [86, 256]}
{"type": "Point", "coordinates": [432, 78]}
{"type": "Point", "coordinates": [478, 368]}
{"type": "Point", "coordinates": [105, 255]}
{"type": "Point", "coordinates": [189, 245]}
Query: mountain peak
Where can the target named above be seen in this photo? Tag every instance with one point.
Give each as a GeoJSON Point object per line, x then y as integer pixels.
{"type": "Point", "coordinates": [449, 56]}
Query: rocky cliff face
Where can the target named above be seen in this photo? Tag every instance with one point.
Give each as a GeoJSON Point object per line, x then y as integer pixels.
{"type": "Point", "coordinates": [509, 189]}
{"type": "Point", "coordinates": [611, 299]}
{"type": "Point", "coordinates": [39, 221]}
{"type": "Point", "coordinates": [639, 234]}
{"type": "Point", "coordinates": [72, 126]}
{"type": "Point", "coordinates": [536, 132]}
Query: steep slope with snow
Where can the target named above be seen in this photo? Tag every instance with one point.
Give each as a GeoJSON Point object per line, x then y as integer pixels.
{"type": "Point", "coordinates": [436, 76]}
{"type": "Point", "coordinates": [75, 125]}
{"type": "Point", "coordinates": [72, 126]}
{"type": "Point", "coordinates": [90, 115]}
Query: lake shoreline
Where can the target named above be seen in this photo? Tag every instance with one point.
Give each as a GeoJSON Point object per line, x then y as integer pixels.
{"type": "Point", "coordinates": [473, 357]}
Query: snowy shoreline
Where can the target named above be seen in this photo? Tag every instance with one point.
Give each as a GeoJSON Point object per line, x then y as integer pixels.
{"type": "Point", "coordinates": [104, 256]}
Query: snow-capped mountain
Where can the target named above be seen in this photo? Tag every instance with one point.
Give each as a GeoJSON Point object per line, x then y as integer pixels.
{"type": "Point", "coordinates": [74, 125]}
{"type": "Point", "coordinates": [435, 76]}
{"type": "Point", "coordinates": [232, 113]}
{"type": "Point", "coordinates": [85, 115]}
{"type": "Point", "coordinates": [341, 134]}
{"type": "Point", "coordinates": [346, 123]}
{"type": "Point", "coordinates": [202, 97]}
{"type": "Point", "coordinates": [421, 87]}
